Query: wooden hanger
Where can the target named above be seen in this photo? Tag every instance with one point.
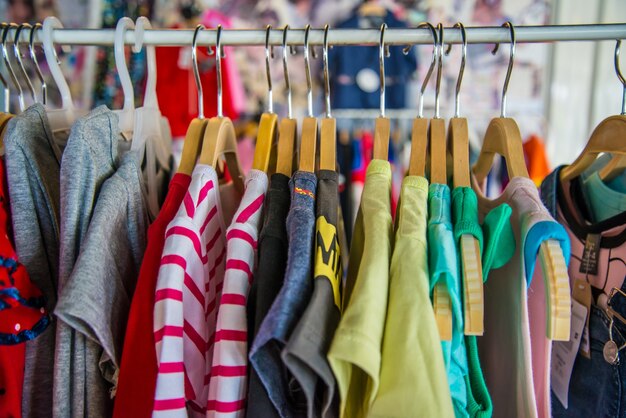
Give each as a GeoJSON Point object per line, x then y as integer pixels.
{"type": "Point", "coordinates": [308, 140]}
{"type": "Point", "coordinates": [328, 132]}
{"type": "Point", "coordinates": [470, 257]}
{"type": "Point", "coordinates": [503, 137]}
{"type": "Point", "coordinates": [265, 148]}
{"type": "Point", "coordinates": [419, 132]}
{"type": "Point", "coordinates": [608, 137]}
{"type": "Point", "coordinates": [197, 127]}
{"type": "Point", "coordinates": [220, 139]}
{"type": "Point", "coordinates": [382, 125]}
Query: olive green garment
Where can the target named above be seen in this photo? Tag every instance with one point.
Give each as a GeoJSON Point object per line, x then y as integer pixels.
{"type": "Point", "coordinates": [355, 353]}
{"type": "Point", "coordinates": [413, 379]}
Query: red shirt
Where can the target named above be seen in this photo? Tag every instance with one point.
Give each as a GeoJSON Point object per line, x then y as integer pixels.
{"type": "Point", "coordinates": [138, 371]}
{"type": "Point", "coordinates": [22, 316]}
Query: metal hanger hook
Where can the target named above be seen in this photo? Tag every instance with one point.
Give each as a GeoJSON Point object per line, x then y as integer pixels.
{"type": "Point", "coordinates": [457, 95]}
{"type": "Point", "coordinates": [433, 31]}
{"type": "Point", "coordinates": [307, 69]}
{"type": "Point", "coordinates": [33, 56]}
{"type": "Point", "coordinates": [286, 72]}
{"type": "Point", "coordinates": [18, 55]}
{"type": "Point", "coordinates": [269, 54]}
{"type": "Point", "coordinates": [326, 73]}
{"type": "Point", "coordinates": [4, 82]}
{"type": "Point", "coordinates": [439, 69]}
{"type": "Point", "coordinates": [509, 69]}
{"type": "Point", "coordinates": [618, 71]}
{"type": "Point", "coordinates": [218, 67]}
{"type": "Point", "coordinates": [196, 72]}
{"type": "Point", "coordinates": [382, 52]}
{"type": "Point", "coordinates": [5, 55]}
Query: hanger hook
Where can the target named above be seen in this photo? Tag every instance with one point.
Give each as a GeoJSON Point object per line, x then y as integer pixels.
{"type": "Point", "coordinates": [620, 75]}
{"type": "Point", "coordinates": [439, 69]}
{"type": "Point", "coordinates": [405, 51]}
{"type": "Point", "coordinates": [196, 72]}
{"type": "Point", "coordinates": [269, 54]}
{"type": "Point", "coordinates": [5, 55]}
{"type": "Point", "coordinates": [33, 56]}
{"type": "Point", "coordinates": [307, 68]}
{"type": "Point", "coordinates": [219, 54]}
{"type": "Point", "coordinates": [457, 95]}
{"type": "Point", "coordinates": [508, 24]}
{"type": "Point", "coordinates": [286, 72]}
{"type": "Point", "coordinates": [18, 55]}
{"type": "Point", "coordinates": [326, 73]}
{"type": "Point", "coordinates": [383, 52]}
{"type": "Point", "coordinates": [4, 82]}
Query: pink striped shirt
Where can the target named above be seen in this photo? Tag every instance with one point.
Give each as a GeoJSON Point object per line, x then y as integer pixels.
{"type": "Point", "coordinates": [227, 390]}
{"type": "Point", "coordinates": [188, 285]}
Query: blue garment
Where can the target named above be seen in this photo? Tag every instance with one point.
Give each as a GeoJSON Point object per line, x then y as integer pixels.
{"type": "Point", "coordinates": [443, 266]}
{"type": "Point", "coordinates": [345, 63]}
{"type": "Point", "coordinates": [597, 388]}
{"type": "Point", "coordinates": [293, 298]}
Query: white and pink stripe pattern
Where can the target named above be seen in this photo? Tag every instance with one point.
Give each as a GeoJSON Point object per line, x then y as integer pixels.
{"type": "Point", "coordinates": [227, 391]}
{"type": "Point", "coordinates": [190, 278]}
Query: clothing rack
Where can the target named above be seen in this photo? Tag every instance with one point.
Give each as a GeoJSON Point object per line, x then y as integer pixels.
{"type": "Point", "coordinates": [252, 37]}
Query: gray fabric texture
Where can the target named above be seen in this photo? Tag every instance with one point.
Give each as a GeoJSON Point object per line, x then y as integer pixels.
{"type": "Point", "coordinates": [89, 159]}
{"type": "Point", "coordinates": [103, 279]}
{"type": "Point", "coordinates": [290, 303]}
{"type": "Point", "coordinates": [33, 161]}
{"type": "Point", "coordinates": [305, 353]}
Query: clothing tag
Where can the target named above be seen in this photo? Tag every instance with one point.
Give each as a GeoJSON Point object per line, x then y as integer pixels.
{"type": "Point", "coordinates": [581, 293]}
{"type": "Point", "coordinates": [564, 354]}
{"type": "Point", "coordinates": [589, 262]}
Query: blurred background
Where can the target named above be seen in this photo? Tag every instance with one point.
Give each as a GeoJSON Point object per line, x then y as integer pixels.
{"type": "Point", "coordinates": [558, 92]}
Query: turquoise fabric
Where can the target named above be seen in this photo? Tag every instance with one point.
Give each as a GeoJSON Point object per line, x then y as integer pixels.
{"type": "Point", "coordinates": [538, 233]}
{"type": "Point", "coordinates": [604, 200]}
{"type": "Point", "coordinates": [443, 266]}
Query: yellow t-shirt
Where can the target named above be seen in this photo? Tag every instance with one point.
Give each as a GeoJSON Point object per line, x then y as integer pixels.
{"type": "Point", "coordinates": [413, 379]}
{"type": "Point", "coordinates": [355, 351]}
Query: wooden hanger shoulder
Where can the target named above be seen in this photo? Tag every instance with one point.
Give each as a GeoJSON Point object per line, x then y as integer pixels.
{"type": "Point", "coordinates": [438, 156]}
{"type": "Point", "coordinates": [504, 138]}
{"type": "Point", "coordinates": [220, 140]}
{"type": "Point", "coordinates": [382, 134]}
{"type": "Point", "coordinates": [419, 146]}
{"type": "Point", "coordinates": [265, 142]}
{"type": "Point", "coordinates": [287, 134]}
{"type": "Point", "coordinates": [328, 144]}
{"type": "Point", "coordinates": [608, 137]}
{"type": "Point", "coordinates": [459, 144]}
{"type": "Point", "coordinates": [192, 146]}
{"type": "Point", "coordinates": [308, 145]}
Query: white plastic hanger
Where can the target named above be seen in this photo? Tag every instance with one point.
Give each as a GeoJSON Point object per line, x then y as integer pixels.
{"type": "Point", "coordinates": [127, 114]}
{"type": "Point", "coordinates": [152, 141]}
{"type": "Point", "coordinates": [63, 118]}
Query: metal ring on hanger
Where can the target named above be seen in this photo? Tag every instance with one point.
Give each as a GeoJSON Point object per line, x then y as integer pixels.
{"type": "Point", "coordinates": [219, 54]}
{"type": "Point", "coordinates": [5, 55]}
{"type": "Point", "coordinates": [457, 94]}
{"type": "Point", "coordinates": [307, 69]}
{"type": "Point", "coordinates": [326, 73]}
{"type": "Point", "coordinates": [510, 67]}
{"type": "Point", "coordinates": [382, 53]}
{"type": "Point", "coordinates": [196, 72]}
{"type": "Point", "coordinates": [439, 69]}
{"type": "Point", "coordinates": [405, 51]}
{"type": "Point", "coordinates": [620, 75]}
{"type": "Point", "coordinates": [286, 73]}
{"type": "Point", "coordinates": [18, 55]}
{"type": "Point", "coordinates": [269, 54]}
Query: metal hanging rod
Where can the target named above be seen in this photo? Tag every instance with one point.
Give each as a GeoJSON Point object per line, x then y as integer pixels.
{"type": "Point", "coordinates": [252, 37]}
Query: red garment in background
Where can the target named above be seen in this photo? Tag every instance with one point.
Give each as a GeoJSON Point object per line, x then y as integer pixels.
{"type": "Point", "coordinates": [176, 88]}
{"type": "Point", "coordinates": [22, 316]}
{"type": "Point", "coordinates": [138, 371]}
{"type": "Point", "coordinates": [536, 159]}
